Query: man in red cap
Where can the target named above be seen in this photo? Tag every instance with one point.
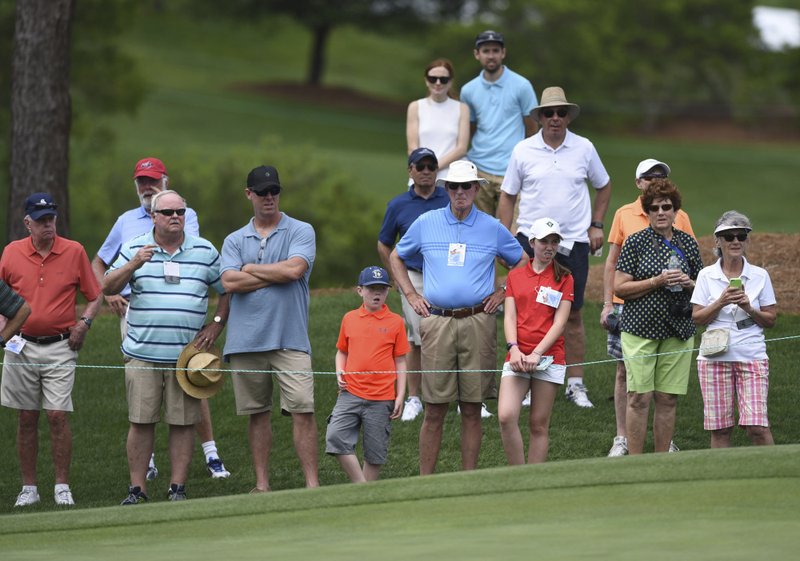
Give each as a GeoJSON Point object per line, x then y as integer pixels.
{"type": "Point", "coordinates": [150, 177]}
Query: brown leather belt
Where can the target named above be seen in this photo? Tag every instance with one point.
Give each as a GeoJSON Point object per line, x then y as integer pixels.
{"type": "Point", "coordinates": [457, 313]}
{"type": "Point", "coordinates": [48, 340]}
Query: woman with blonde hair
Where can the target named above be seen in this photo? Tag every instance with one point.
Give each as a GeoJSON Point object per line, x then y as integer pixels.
{"type": "Point", "coordinates": [439, 121]}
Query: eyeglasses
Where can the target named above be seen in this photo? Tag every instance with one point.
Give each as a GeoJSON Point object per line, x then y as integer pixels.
{"type": "Point", "coordinates": [171, 211]}
{"type": "Point", "coordinates": [561, 111]}
{"type": "Point", "coordinates": [430, 167]}
{"type": "Point", "coordinates": [273, 190]}
{"type": "Point", "coordinates": [443, 80]}
{"type": "Point", "coordinates": [456, 186]}
{"type": "Point", "coordinates": [730, 237]}
{"type": "Point", "coordinates": [656, 208]}
{"type": "Point", "coordinates": [652, 176]}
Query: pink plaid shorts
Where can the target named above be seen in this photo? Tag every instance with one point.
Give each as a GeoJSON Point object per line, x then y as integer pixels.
{"type": "Point", "coordinates": [721, 380]}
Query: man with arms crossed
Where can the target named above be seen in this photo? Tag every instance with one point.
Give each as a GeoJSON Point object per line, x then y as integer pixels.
{"type": "Point", "coordinates": [266, 266]}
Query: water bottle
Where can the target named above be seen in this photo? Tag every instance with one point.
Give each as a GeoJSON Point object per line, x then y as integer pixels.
{"type": "Point", "coordinates": [674, 263]}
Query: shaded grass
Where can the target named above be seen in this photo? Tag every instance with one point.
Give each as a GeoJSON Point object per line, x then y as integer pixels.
{"type": "Point", "coordinates": [733, 504]}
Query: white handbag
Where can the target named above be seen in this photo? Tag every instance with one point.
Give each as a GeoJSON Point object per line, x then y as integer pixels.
{"type": "Point", "coordinates": [714, 341]}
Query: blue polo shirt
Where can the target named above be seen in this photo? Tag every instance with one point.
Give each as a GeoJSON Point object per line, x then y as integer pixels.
{"type": "Point", "coordinates": [276, 316]}
{"type": "Point", "coordinates": [401, 212]}
{"type": "Point", "coordinates": [432, 236]}
{"type": "Point", "coordinates": [497, 108]}
{"type": "Point", "coordinates": [132, 223]}
{"type": "Point", "coordinates": [164, 317]}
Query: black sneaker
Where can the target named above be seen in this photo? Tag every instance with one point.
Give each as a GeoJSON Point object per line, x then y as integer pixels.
{"type": "Point", "coordinates": [135, 496]}
{"type": "Point", "coordinates": [176, 492]}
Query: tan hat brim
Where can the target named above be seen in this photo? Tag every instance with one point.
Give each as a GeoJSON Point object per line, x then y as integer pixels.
{"type": "Point", "coordinates": [199, 392]}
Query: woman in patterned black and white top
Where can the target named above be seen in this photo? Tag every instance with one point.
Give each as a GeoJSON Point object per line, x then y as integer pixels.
{"type": "Point", "coordinates": [657, 327]}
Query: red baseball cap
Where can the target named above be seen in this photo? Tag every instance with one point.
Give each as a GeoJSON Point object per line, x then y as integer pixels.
{"type": "Point", "coordinates": [149, 167]}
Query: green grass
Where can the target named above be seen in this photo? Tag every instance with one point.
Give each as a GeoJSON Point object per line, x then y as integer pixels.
{"type": "Point", "coordinates": [99, 471]}
{"type": "Point", "coordinates": [734, 504]}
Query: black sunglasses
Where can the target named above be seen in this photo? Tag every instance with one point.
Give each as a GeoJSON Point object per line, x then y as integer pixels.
{"type": "Point", "coordinates": [441, 79]}
{"type": "Point", "coordinates": [273, 190]}
{"type": "Point", "coordinates": [430, 167]}
{"type": "Point", "coordinates": [655, 208]}
{"type": "Point", "coordinates": [171, 211]}
{"type": "Point", "coordinates": [45, 206]}
{"type": "Point", "coordinates": [562, 112]}
{"type": "Point", "coordinates": [652, 176]}
{"type": "Point", "coordinates": [730, 237]}
{"type": "Point", "coordinates": [456, 186]}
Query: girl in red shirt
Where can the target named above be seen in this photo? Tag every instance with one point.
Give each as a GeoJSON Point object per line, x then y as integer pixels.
{"type": "Point", "coordinates": [538, 301]}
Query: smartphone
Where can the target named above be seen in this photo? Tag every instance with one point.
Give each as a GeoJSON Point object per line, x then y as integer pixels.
{"type": "Point", "coordinates": [736, 282]}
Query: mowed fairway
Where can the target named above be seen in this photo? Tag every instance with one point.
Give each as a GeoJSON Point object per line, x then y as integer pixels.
{"type": "Point", "coordinates": [731, 504]}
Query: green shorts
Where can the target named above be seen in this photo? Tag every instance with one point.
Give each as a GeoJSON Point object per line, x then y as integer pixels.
{"type": "Point", "coordinates": [668, 372]}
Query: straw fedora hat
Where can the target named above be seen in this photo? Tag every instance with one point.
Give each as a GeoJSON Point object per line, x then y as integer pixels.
{"type": "Point", "coordinates": [198, 372]}
{"type": "Point", "coordinates": [555, 97]}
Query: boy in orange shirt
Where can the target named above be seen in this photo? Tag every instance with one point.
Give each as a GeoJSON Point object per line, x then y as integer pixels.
{"type": "Point", "coordinates": [371, 373]}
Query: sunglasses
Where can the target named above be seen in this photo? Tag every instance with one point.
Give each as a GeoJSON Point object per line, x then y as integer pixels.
{"type": "Point", "coordinates": [443, 80]}
{"type": "Point", "coordinates": [429, 167]}
{"type": "Point", "coordinates": [652, 176]}
{"type": "Point", "coordinates": [273, 190]}
{"type": "Point", "coordinates": [731, 237]}
{"type": "Point", "coordinates": [561, 111]}
{"type": "Point", "coordinates": [656, 208]}
{"type": "Point", "coordinates": [171, 211]}
{"type": "Point", "coordinates": [45, 206]}
{"type": "Point", "coordinates": [456, 186]}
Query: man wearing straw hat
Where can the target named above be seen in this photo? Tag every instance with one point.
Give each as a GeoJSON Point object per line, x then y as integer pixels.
{"type": "Point", "coordinates": [549, 173]}
{"type": "Point", "coordinates": [458, 244]}
{"type": "Point", "coordinates": [170, 273]}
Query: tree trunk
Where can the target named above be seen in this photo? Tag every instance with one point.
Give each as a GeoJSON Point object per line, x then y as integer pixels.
{"type": "Point", "coordinates": [317, 62]}
{"type": "Point", "coordinates": [40, 109]}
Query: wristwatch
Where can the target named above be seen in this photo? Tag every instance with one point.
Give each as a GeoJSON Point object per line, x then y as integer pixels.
{"type": "Point", "coordinates": [596, 225]}
{"type": "Point", "coordinates": [218, 319]}
{"type": "Point", "coordinates": [87, 321]}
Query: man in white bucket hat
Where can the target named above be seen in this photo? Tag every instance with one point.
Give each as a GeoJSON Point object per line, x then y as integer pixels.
{"type": "Point", "coordinates": [458, 244]}
{"type": "Point", "coordinates": [549, 173]}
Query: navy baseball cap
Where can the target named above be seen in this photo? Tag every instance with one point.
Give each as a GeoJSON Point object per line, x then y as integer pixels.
{"type": "Point", "coordinates": [489, 36]}
{"type": "Point", "coordinates": [40, 204]}
{"type": "Point", "coordinates": [421, 153]}
{"type": "Point", "coordinates": [373, 275]}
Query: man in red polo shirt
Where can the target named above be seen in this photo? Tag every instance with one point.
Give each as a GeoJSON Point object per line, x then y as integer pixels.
{"type": "Point", "coordinates": [39, 367]}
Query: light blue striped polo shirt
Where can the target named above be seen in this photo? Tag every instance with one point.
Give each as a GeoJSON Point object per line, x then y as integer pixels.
{"type": "Point", "coordinates": [164, 317]}
{"type": "Point", "coordinates": [432, 234]}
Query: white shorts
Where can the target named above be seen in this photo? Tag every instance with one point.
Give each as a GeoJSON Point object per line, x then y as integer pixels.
{"type": "Point", "coordinates": [555, 373]}
{"type": "Point", "coordinates": [411, 317]}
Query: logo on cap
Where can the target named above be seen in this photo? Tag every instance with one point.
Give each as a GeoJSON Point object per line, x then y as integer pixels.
{"type": "Point", "coordinates": [377, 274]}
{"type": "Point", "coordinates": [146, 165]}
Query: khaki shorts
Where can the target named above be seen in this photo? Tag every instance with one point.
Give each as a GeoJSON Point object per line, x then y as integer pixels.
{"type": "Point", "coordinates": [45, 382]}
{"type": "Point", "coordinates": [148, 384]}
{"type": "Point", "coordinates": [412, 318]}
{"type": "Point", "coordinates": [488, 198]}
{"type": "Point", "coordinates": [253, 390]}
{"type": "Point", "coordinates": [459, 344]}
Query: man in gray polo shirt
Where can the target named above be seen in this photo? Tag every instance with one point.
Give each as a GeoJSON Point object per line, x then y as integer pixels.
{"type": "Point", "coordinates": [265, 267]}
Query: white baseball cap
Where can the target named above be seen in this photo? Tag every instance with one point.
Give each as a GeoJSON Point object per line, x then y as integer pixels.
{"type": "Point", "coordinates": [543, 227]}
{"type": "Point", "coordinates": [648, 164]}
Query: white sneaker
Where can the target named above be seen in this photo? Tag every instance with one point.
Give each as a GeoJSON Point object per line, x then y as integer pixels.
{"type": "Point", "coordinates": [673, 447]}
{"type": "Point", "coordinates": [216, 469]}
{"type": "Point", "coordinates": [619, 448]}
{"type": "Point", "coordinates": [578, 394]}
{"type": "Point", "coordinates": [64, 497]}
{"type": "Point", "coordinates": [485, 414]}
{"type": "Point", "coordinates": [28, 496]}
{"type": "Point", "coordinates": [526, 401]}
{"type": "Point", "coordinates": [411, 409]}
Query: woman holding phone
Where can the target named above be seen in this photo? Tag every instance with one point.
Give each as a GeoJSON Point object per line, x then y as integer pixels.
{"type": "Point", "coordinates": [538, 301]}
{"type": "Point", "coordinates": [737, 297]}
{"type": "Point", "coordinates": [439, 121]}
